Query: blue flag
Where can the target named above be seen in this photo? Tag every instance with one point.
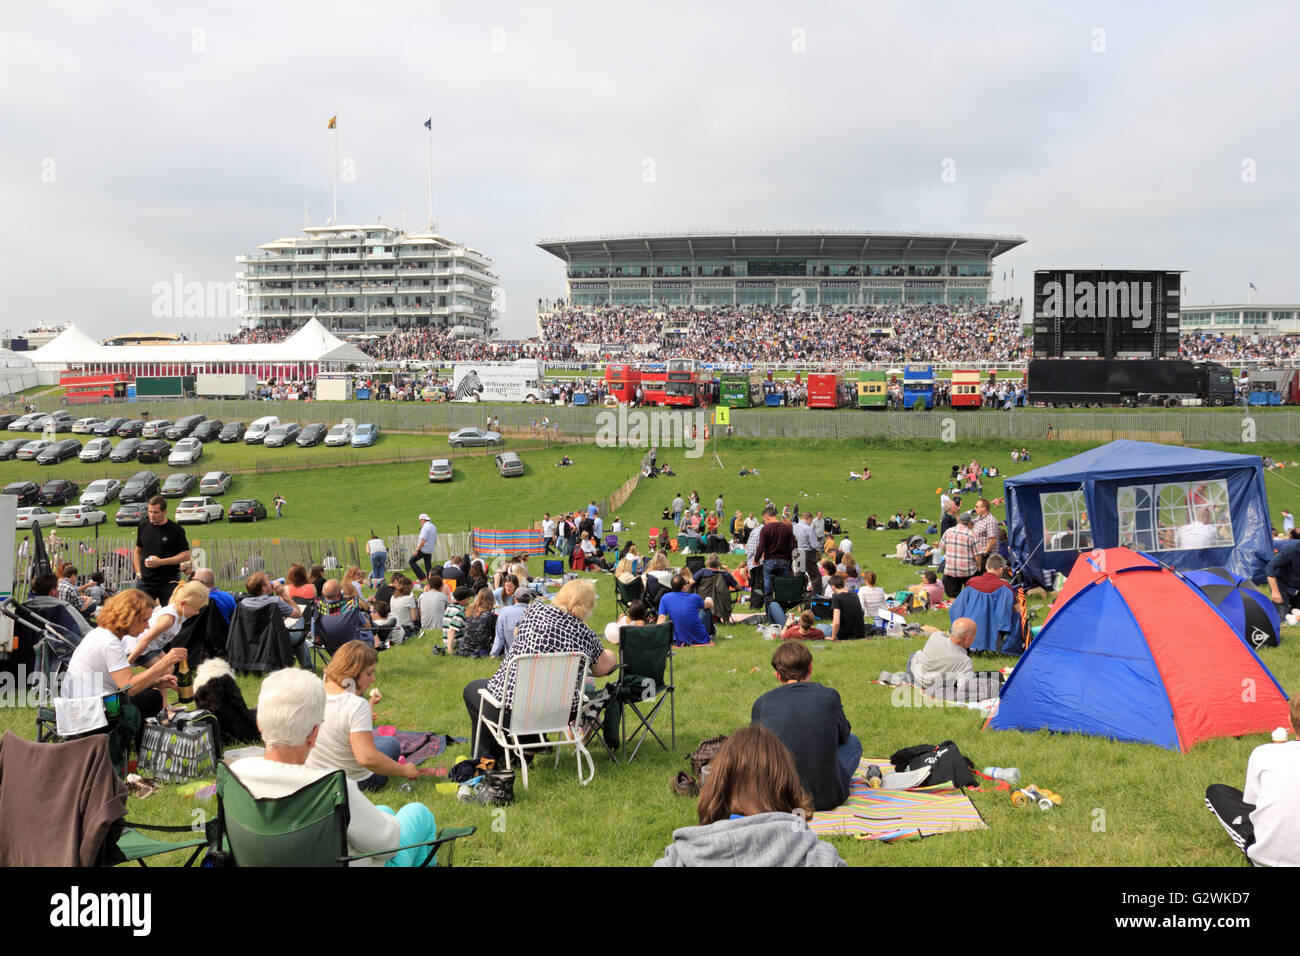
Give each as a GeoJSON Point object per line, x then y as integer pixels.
{"type": "Point", "coordinates": [428, 124]}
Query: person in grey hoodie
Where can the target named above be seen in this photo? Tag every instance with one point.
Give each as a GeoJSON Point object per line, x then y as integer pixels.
{"type": "Point", "coordinates": [753, 810]}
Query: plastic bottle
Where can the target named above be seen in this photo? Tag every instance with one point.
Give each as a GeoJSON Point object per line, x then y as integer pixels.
{"type": "Point", "coordinates": [1010, 774]}
{"type": "Point", "coordinates": [874, 777]}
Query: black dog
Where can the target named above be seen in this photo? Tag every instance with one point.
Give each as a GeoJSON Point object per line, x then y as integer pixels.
{"type": "Point", "coordinates": [215, 690]}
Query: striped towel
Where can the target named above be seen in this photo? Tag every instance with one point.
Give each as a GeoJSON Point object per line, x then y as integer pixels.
{"type": "Point", "coordinates": [891, 815]}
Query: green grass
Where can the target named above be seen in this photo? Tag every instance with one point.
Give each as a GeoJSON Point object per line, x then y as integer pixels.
{"type": "Point", "coordinates": [1125, 804]}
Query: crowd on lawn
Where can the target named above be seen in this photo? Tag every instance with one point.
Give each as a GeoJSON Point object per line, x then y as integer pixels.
{"type": "Point", "coordinates": [797, 755]}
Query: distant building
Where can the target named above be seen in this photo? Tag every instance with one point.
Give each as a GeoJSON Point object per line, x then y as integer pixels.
{"type": "Point", "coordinates": [1242, 319]}
{"type": "Point", "coordinates": [779, 268]}
{"type": "Point", "coordinates": [367, 280]}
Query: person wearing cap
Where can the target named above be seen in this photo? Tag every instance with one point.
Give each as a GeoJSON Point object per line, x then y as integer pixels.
{"type": "Point", "coordinates": [424, 548]}
{"type": "Point", "coordinates": [959, 554]}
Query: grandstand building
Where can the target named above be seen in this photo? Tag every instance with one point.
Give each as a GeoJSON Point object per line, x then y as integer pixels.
{"type": "Point", "coordinates": [1241, 319]}
{"type": "Point", "coordinates": [812, 269]}
{"type": "Point", "coordinates": [368, 280]}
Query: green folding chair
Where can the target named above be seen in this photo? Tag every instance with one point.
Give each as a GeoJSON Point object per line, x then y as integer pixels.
{"type": "Point", "coordinates": [790, 592]}
{"type": "Point", "coordinates": [625, 594]}
{"type": "Point", "coordinates": [644, 653]}
{"type": "Point", "coordinates": [306, 828]}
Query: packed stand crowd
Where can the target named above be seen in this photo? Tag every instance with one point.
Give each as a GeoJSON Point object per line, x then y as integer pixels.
{"type": "Point", "coordinates": [1206, 347]}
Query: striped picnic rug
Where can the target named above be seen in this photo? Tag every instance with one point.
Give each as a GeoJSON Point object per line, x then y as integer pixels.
{"type": "Point", "coordinates": [520, 541]}
{"type": "Point", "coordinates": [890, 815]}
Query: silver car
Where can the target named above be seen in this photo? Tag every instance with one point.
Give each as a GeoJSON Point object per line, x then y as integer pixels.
{"type": "Point", "coordinates": [97, 449]}
{"type": "Point", "coordinates": [509, 465]}
{"type": "Point", "coordinates": [101, 491]}
{"type": "Point", "coordinates": [473, 436]}
{"type": "Point", "coordinates": [186, 452]}
{"type": "Point", "coordinates": [215, 483]}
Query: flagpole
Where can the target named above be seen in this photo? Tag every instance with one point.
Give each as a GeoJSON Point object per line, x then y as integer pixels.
{"type": "Point", "coordinates": [430, 176]}
{"type": "Point", "coordinates": [336, 172]}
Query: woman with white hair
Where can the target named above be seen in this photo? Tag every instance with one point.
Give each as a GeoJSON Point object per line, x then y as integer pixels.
{"type": "Point", "coordinates": [558, 627]}
{"type": "Point", "coordinates": [290, 711]}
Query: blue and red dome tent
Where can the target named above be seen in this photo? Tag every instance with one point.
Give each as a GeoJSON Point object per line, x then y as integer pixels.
{"type": "Point", "coordinates": [1133, 651]}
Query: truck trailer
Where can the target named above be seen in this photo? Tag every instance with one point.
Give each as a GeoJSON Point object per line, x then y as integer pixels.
{"type": "Point", "coordinates": [1167, 382]}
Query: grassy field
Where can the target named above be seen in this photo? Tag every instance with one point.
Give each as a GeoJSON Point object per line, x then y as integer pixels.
{"type": "Point", "coordinates": [1124, 804]}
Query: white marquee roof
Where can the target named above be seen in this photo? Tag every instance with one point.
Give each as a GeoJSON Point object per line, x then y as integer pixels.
{"type": "Point", "coordinates": [312, 343]}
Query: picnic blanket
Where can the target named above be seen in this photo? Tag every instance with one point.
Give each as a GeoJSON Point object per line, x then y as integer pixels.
{"type": "Point", "coordinates": [418, 746]}
{"type": "Point", "coordinates": [891, 815]}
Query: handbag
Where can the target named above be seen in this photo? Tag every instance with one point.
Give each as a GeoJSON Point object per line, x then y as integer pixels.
{"type": "Point", "coordinates": [187, 748]}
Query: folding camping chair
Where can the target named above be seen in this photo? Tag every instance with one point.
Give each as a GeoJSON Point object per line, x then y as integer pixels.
{"type": "Point", "coordinates": [695, 562]}
{"type": "Point", "coordinates": [611, 542]}
{"type": "Point", "coordinates": [42, 775]}
{"type": "Point", "coordinates": [547, 688]}
{"type": "Point", "coordinates": [43, 650]}
{"type": "Point", "coordinates": [642, 654]}
{"type": "Point", "coordinates": [309, 827]}
{"type": "Point", "coordinates": [653, 538]}
{"type": "Point", "coordinates": [552, 567]}
{"type": "Point", "coordinates": [258, 640]}
{"type": "Point", "coordinates": [790, 592]}
{"type": "Point", "coordinates": [625, 594]}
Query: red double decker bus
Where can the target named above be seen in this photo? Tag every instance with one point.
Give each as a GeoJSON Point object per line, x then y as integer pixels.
{"type": "Point", "coordinates": [654, 384]}
{"type": "Point", "coordinates": [82, 389]}
{"type": "Point", "coordinates": [687, 385]}
{"type": "Point", "coordinates": [621, 381]}
{"type": "Point", "coordinates": [827, 390]}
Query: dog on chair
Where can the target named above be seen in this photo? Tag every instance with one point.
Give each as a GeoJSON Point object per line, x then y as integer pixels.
{"type": "Point", "coordinates": [215, 690]}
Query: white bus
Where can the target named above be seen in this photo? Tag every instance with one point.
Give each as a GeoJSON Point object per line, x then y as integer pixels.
{"type": "Point", "coordinates": [521, 381]}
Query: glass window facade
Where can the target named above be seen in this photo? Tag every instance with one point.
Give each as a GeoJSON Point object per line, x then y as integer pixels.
{"type": "Point", "coordinates": [1175, 516]}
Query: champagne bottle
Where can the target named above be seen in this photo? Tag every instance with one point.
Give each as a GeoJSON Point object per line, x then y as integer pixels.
{"type": "Point", "coordinates": [184, 683]}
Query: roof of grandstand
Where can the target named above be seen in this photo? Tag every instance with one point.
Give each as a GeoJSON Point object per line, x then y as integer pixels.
{"type": "Point", "coordinates": [792, 242]}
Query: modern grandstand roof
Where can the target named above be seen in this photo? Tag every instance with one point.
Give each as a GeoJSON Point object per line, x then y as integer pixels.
{"type": "Point", "coordinates": [766, 243]}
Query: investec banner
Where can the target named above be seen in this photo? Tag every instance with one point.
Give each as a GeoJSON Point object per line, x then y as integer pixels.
{"type": "Point", "coordinates": [1106, 313]}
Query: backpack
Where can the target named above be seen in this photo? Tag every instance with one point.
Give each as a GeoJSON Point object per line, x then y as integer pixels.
{"type": "Point", "coordinates": [946, 763]}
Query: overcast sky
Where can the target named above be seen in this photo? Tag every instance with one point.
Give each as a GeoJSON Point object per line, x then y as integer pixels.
{"type": "Point", "coordinates": [141, 141]}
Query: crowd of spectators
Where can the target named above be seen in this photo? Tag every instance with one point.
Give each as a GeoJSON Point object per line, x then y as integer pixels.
{"type": "Point", "coordinates": [1206, 347]}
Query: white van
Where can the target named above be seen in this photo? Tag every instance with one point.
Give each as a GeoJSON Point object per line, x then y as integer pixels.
{"type": "Point", "coordinates": [257, 431]}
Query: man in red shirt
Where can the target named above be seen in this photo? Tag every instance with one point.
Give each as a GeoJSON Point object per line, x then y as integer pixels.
{"type": "Point", "coordinates": [775, 546]}
{"type": "Point", "coordinates": [959, 555]}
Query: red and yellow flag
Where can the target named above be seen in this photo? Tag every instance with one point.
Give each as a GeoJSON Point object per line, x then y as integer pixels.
{"type": "Point", "coordinates": [333, 121]}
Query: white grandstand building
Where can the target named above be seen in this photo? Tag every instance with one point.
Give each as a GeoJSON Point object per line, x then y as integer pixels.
{"type": "Point", "coordinates": [812, 269]}
{"type": "Point", "coordinates": [368, 280]}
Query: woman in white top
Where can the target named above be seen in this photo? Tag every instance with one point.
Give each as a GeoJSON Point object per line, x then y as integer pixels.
{"type": "Point", "coordinates": [402, 605]}
{"type": "Point", "coordinates": [870, 597]}
{"type": "Point", "coordinates": [165, 622]}
{"type": "Point", "coordinates": [378, 552]}
{"type": "Point", "coordinates": [659, 569]}
{"type": "Point", "coordinates": [347, 740]}
{"type": "Point", "coordinates": [99, 666]}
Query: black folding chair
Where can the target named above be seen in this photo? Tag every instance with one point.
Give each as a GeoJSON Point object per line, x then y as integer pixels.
{"type": "Point", "coordinates": [695, 562]}
{"type": "Point", "coordinates": [625, 594]}
{"type": "Point", "coordinates": [790, 592]}
{"type": "Point", "coordinates": [643, 654]}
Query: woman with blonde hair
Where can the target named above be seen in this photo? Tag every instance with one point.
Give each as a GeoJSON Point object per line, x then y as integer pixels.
{"type": "Point", "coordinates": [352, 588]}
{"type": "Point", "coordinates": [546, 628]}
{"type": "Point", "coordinates": [346, 740]}
{"type": "Point", "coordinates": [661, 569]}
{"type": "Point", "coordinates": [753, 810]}
{"type": "Point", "coordinates": [99, 665]}
{"type": "Point", "coordinates": [165, 621]}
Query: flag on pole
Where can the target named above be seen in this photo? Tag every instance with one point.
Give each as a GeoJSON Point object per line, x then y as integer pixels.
{"type": "Point", "coordinates": [1252, 286]}
{"type": "Point", "coordinates": [333, 121]}
{"type": "Point", "coordinates": [428, 124]}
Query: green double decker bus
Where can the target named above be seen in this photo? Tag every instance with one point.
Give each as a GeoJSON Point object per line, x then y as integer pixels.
{"type": "Point", "coordinates": [740, 389]}
{"type": "Point", "coordinates": [872, 390]}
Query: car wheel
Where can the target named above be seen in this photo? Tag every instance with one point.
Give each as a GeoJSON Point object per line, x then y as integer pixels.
{"type": "Point", "coordinates": [456, 445]}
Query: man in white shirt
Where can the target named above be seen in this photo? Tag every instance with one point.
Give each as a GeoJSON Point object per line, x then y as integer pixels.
{"type": "Point", "coordinates": [846, 546]}
{"type": "Point", "coordinates": [943, 668]}
{"type": "Point", "coordinates": [1264, 821]}
{"type": "Point", "coordinates": [1200, 533]}
{"type": "Point", "coordinates": [433, 603]}
{"type": "Point", "coordinates": [290, 710]}
{"type": "Point", "coordinates": [424, 548]}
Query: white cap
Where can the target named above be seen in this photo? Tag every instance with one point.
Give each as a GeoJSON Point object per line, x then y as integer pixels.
{"type": "Point", "coordinates": [423, 517]}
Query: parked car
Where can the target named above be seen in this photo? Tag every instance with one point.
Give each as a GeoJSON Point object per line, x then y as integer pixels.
{"type": "Point", "coordinates": [256, 433]}
{"type": "Point", "coordinates": [198, 511]}
{"type": "Point", "coordinates": [247, 509]}
{"type": "Point", "coordinates": [439, 470]}
{"type": "Point", "coordinates": [110, 427]}
{"type": "Point", "coordinates": [215, 483]}
{"type": "Point", "coordinates": [134, 513]}
{"type": "Point", "coordinates": [473, 436]}
{"type": "Point", "coordinates": [341, 434]}
{"type": "Point", "coordinates": [131, 428]}
{"type": "Point", "coordinates": [58, 491]}
{"type": "Point", "coordinates": [208, 430]}
{"type": "Point", "coordinates": [20, 423]}
{"type": "Point", "coordinates": [101, 491]}
{"type": "Point", "coordinates": [186, 452]}
{"type": "Point", "coordinates": [311, 435]}
{"type": "Point", "coordinates": [231, 432]}
{"type": "Point", "coordinates": [281, 435]}
{"type": "Point", "coordinates": [141, 486]}
{"type": "Point", "coordinates": [509, 465]}
{"type": "Point", "coordinates": [365, 435]}
{"type": "Point", "coordinates": [27, 492]}
{"type": "Point", "coordinates": [85, 426]}
{"type": "Point", "coordinates": [184, 427]}
{"type": "Point", "coordinates": [59, 451]}
{"type": "Point", "coordinates": [97, 449]}
{"type": "Point", "coordinates": [63, 422]}
{"type": "Point", "coordinates": [156, 428]}
{"type": "Point", "coordinates": [153, 449]}
{"type": "Point", "coordinates": [33, 448]}
{"type": "Point", "coordinates": [179, 485]}
{"type": "Point", "coordinates": [7, 419]}
{"type": "Point", "coordinates": [79, 516]}
{"type": "Point", "coordinates": [35, 516]}
{"type": "Point", "coordinates": [126, 449]}
{"type": "Point", "coordinates": [9, 449]}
